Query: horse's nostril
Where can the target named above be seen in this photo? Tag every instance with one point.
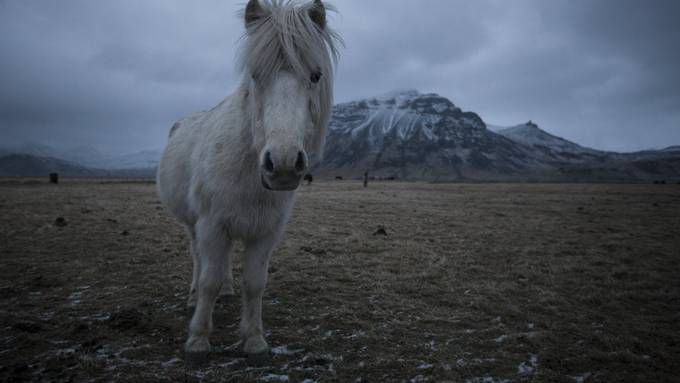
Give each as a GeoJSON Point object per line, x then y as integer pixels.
{"type": "Point", "coordinates": [268, 163]}
{"type": "Point", "coordinates": [300, 164]}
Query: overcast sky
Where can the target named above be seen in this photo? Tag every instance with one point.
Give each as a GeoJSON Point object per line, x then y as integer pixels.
{"type": "Point", "coordinates": [117, 74]}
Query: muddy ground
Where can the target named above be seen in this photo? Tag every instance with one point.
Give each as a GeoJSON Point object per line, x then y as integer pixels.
{"type": "Point", "coordinates": [471, 283]}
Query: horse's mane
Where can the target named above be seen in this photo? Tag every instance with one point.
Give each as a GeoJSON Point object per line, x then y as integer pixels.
{"type": "Point", "coordinates": [287, 38]}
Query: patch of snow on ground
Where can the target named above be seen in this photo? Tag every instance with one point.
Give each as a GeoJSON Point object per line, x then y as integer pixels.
{"type": "Point", "coordinates": [275, 378]}
{"type": "Point", "coordinates": [486, 379]}
{"type": "Point", "coordinates": [284, 350]}
{"type": "Point", "coordinates": [170, 362]}
{"type": "Point", "coordinates": [424, 366]}
{"type": "Point", "coordinates": [419, 379]}
{"type": "Point", "coordinates": [581, 378]}
{"type": "Point", "coordinates": [530, 367]}
{"type": "Point", "coordinates": [74, 298]}
{"type": "Point", "coordinates": [356, 334]}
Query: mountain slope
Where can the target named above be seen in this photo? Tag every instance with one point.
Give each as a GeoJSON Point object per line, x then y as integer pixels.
{"type": "Point", "coordinates": [531, 134]}
{"type": "Point", "coordinates": [410, 135]}
{"type": "Point", "coordinates": [549, 148]}
{"type": "Point", "coordinates": [413, 135]}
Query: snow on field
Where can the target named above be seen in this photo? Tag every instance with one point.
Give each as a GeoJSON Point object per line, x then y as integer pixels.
{"type": "Point", "coordinates": [275, 378]}
{"type": "Point", "coordinates": [581, 378]}
{"type": "Point", "coordinates": [530, 367]}
{"type": "Point", "coordinates": [284, 350]}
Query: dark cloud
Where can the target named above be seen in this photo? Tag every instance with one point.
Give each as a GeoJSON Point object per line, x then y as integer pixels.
{"type": "Point", "coordinates": [117, 74]}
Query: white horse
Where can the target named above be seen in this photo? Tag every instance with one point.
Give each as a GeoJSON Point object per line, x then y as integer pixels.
{"type": "Point", "coordinates": [230, 173]}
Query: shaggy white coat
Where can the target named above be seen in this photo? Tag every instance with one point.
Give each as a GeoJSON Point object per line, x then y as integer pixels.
{"type": "Point", "coordinates": [210, 174]}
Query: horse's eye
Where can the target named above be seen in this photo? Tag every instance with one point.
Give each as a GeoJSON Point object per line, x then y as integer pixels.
{"type": "Point", "coordinates": [316, 76]}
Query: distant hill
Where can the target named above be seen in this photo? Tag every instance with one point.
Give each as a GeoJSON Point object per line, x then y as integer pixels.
{"type": "Point", "coordinates": [88, 156]}
{"type": "Point", "coordinates": [27, 165]}
{"type": "Point", "coordinates": [36, 166]}
{"type": "Point", "coordinates": [530, 134]}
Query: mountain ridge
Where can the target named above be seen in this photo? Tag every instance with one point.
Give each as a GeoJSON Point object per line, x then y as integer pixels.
{"type": "Point", "coordinates": [413, 135]}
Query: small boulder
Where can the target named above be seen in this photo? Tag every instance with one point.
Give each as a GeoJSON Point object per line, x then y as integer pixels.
{"type": "Point", "coordinates": [381, 231]}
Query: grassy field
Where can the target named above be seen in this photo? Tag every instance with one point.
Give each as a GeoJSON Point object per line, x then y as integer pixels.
{"type": "Point", "coordinates": [471, 283]}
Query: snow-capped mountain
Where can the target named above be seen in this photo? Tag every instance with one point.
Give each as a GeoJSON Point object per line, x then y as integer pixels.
{"type": "Point", "coordinates": [410, 135]}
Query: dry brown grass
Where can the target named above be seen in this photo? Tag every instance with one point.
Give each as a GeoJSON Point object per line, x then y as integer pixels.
{"type": "Point", "coordinates": [521, 282]}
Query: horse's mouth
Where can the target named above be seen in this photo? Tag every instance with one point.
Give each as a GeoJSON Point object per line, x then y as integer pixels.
{"type": "Point", "coordinates": [264, 182]}
{"type": "Point", "coordinates": [288, 186]}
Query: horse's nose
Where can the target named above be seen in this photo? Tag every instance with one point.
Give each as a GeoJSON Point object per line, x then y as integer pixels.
{"type": "Point", "coordinates": [283, 172]}
{"type": "Point", "coordinates": [268, 164]}
{"type": "Point", "coordinates": [299, 167]}
{"type": "Point", "coordinates": [301, 163]}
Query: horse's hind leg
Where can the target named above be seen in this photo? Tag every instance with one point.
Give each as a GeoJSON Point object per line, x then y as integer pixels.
{"type": "Point", "coordinates": [191, 302]}
{"type": "Point", "coordinates": [212, 246]}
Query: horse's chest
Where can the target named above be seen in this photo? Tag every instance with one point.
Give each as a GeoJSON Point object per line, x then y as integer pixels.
{"type": "Point", "coordinates": [249, 215]}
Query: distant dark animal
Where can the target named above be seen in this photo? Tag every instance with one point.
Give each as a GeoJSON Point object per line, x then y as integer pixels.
{"type": "Point", "coordinates": [338, 178]}
{"type": "Point", "coordinates": [54, 178]}
{"type": "Point", "coordinates": [230, 173]}
{"type": "Point", "coordinates": [309, 178]}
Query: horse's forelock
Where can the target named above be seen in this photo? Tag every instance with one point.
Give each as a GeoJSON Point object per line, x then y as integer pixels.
{"type": "Point", "coordinates": [287, 36]}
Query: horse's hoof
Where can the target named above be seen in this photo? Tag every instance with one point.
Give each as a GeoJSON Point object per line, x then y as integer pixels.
{"type": "Point", "coordinates": [196, 360]}
{"type": "Point", "coordinates": [261, 359]}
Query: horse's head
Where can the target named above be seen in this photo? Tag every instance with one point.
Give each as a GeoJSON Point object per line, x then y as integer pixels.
{"type": "Point", "coordinates": [288, 58]}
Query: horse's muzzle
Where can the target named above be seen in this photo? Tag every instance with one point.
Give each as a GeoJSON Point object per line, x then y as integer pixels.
{"type": "Point", "coordinates": [282, 173]}
{"type": "Point", "coordinates": [288, 184]}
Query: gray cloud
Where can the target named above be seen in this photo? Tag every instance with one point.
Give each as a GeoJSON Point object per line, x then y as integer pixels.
{"type": "Point", "coordinates": [117, 74]}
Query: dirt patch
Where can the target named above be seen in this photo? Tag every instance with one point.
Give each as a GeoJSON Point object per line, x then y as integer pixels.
{"type": "Point", "coordinates": [472, 283]}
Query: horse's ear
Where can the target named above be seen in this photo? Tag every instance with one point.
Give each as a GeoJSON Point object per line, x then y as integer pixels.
{"type": "Point", "coordinates": [254, 12]}
{"type": "Point", "coordinates": [317, 12]}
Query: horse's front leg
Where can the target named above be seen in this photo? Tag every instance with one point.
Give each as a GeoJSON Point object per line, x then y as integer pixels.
{"type": "Point", "coordinates": [213, 247]}
{"type": "Point", "coordinates": [227, 291]}
{"type": "Point", "coordinates": [255, 264]}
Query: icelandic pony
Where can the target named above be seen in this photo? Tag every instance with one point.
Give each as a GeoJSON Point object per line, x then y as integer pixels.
{"type": "Point", "coordinates": [230, 173]}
